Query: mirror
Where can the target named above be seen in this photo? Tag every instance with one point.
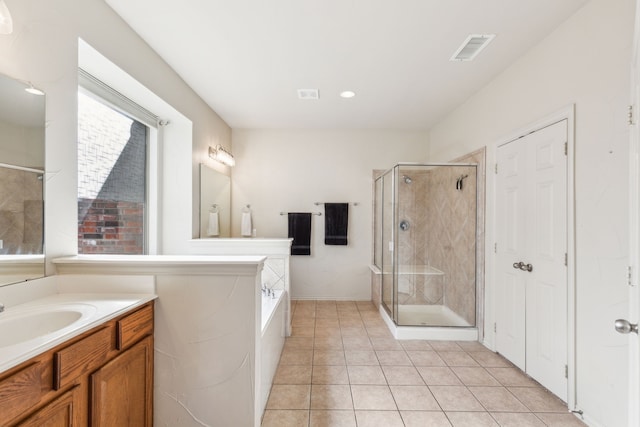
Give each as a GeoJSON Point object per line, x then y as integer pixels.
{"type": "Point", "coordinates": [215, 203]}
{"type": "Point", "coordinates": [22, 136]}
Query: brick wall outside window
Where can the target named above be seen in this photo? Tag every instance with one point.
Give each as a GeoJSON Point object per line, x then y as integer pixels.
{"type": "Point", "coordinates": [111, 227]}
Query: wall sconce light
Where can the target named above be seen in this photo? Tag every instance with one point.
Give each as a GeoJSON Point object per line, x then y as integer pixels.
{"type": "Point", "coordinates": [221, 155]}
{"type": "Point", "coordinates": [6, 23]}
{"type": "Point", "coordinates": [33, 90]}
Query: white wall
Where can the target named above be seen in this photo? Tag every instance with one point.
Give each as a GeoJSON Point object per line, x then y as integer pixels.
{"type": "Point", "coordinates": [287, 171]}
{"type": "Point", "coordinates": [586, 61]}
{"type": "Point", "coordinates": [43, 49]}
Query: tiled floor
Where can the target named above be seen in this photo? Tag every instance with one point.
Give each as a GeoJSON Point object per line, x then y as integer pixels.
{"type": "Point", "coordinates": [342, 367]}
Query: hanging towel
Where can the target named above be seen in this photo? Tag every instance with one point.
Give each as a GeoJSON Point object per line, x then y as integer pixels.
{"type": "Point", "coordinates": [214, 225]}
{"type": "Point", "coordinates": [246, 229]}
{"type": "Point", "coordinates": [336, 220]}
{"type": "Point", "coordinates": [300, 231]}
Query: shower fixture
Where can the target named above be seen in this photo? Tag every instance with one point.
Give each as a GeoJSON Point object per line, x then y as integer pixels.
{"type": "Point", "coordinates": [407, 179]}
{"type": "Point", "coordinates": [459, 181]}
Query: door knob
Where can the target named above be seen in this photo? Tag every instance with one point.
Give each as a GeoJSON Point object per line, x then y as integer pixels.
{"type": "Point", "coordinates": [624, 327]}
{"type": "Point", "coordinates": [522, 266]}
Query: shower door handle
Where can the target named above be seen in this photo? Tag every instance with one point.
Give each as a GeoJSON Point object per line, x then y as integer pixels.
{"type": "Point", "coordinates": [522, 266]}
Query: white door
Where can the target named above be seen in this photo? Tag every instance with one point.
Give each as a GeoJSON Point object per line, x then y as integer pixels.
{"type": "Point", "coordinates": [531, 328]}
{"type": "Point", "coordinates": [511, 282]}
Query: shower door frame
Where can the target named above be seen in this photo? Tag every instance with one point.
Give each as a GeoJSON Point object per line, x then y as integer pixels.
{"type": "Point", "coordinates": [394, 172]}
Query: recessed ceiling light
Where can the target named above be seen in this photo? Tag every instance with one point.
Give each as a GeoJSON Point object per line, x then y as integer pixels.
{"type": "Point", "coordinates": [347, 94]}
{"type": "Point", "coordinates": [472, 46]}
{"type": "Point", "coordinates": [308, 94]}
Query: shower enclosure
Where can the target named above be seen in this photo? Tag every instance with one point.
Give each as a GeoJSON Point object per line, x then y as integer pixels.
{"type": "Point", "coordinates": [425, 236]}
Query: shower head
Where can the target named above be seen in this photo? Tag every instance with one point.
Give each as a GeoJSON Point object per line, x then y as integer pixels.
{"type": "Point", "coordinates": [407, 179]}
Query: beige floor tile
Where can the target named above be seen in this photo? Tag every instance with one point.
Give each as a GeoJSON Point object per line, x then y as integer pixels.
{"type": "Point", "coordinates": [498, 399]}
{"type": "Point", "coordinates": [424, 419]}
{"type": "Point", "coordinates": [361, 357]}
{"type": "Point", "coordinates": [351, 322]}
{"type": "Point", "coordinates": [354, 331]}
{"type": "Point", "coordinates": [328, 374]}
{"type": "Point", "coordinates": [327, 323]}
{"type": "Point", "coordinates": [328, 343]}
{"type": "Point", "coordinates": [561, 420]}
{"type": "Point", "coordinates": [455, 398]}
{"type": "Point", "coordinates": [303, 322]}
{"type": "Point", "coordinates": [366, 375]}
{"type": "Point", "coordinates": [445, 346]}
{"type": "Point", "coordinates": [372, 322]}
{"type": "Point", "coordinates": [293, 374]}
{"type": "Point", "coordinates": [336, 418]}
{"type": "Point", "coordinates": [434, 375]}
{"type": "Point", "coordinates": [393, 357]}
{"type": "Point", "coordinates": [379, 419]}
{"type": "Point", "coordinates": [474, 376]}
{"type": "Point", "coordinates": [373, 398]}
{"type": "Point", "coordinates": [328, 357]}
{"type": "Point", "coordinates": [471, 419]}
{"type": "Point", "coordinates": [289, 397]}
{"type": "Point", "coordinates": [326, 332]}
{"type": "Point", "coordinates": [416, 345]}
{"type": "Point", "coordinates": [302, 331]}
{"type": "Point", "coordinates": [425, 358]}
{"type": "Point", "coordinates": [508, 419]}
{"type": "Point", "coordinates": [327, 313]}
{"type": "Point", "coordinates": [414, 398]}
{"type": "Point", "coordinates": [298, 343]}
{"type": "Point", "coordinates": [296, 357]}
{"type": "Point", "coordinates": [331, 396]}
{"type": "Point", "coordinates": [348, 313]}
{"type": "Point", "coordinates": [457, 358]}
{"type": "Point", "coordinates": [538, 399]}
{"type": "Point", "coordinates": [385, 343]}
{"type": "Point", "coordinates": [512, 377]}
{"type": "Point", "coordinates": [489, 359]}
{"type": "Point", "coordinates": [471, 346]}
{"type": "Point", "coordinates": [402, 375]}
{"type": "Point", "coordinates": [285, 418]}
{"type": "Point", "coordinates": [379, 331]}
{"type": "Point", "coordinates": [356, 342]}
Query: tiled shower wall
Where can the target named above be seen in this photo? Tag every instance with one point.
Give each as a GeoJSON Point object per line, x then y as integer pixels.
{"type": "Point", "coordinates": [442, 234]}
{"type": "Point", "coordinates": [21, 212]}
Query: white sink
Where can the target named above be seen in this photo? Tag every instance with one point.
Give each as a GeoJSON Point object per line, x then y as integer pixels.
{"type": "Point", "coordinates": [27, 324]}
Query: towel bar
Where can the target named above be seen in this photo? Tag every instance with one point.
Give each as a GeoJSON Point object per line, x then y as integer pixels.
{"type": "Point", "coordinates": [312, 213]}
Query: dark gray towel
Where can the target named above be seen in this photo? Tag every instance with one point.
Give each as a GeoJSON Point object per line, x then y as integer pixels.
{"type": "Point", "coordinates": [336, 220]}
{"type": "Point", "coordinates": [300, 231]}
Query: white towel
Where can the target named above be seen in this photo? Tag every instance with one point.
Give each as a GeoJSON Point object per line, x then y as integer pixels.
{"type": "Point", "coordinates": [214, 225]}
{"type": "Point", "coordinates": [246, 229]}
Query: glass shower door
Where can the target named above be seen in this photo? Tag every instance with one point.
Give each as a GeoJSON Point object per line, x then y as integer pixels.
{"type": "Point", "coordinates": [387, 244]}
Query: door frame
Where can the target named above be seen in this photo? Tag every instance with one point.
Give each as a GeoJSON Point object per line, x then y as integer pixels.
{"type": "Point", "coordinates": [566, 113]}
{"type": "Point", "coordinates": [634, 225]}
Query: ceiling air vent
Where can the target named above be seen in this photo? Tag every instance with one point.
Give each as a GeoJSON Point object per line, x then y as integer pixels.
{"type": "Point", "coordinates": [308, 94]}
{"type": "Point", "coordinates": [472, 46]}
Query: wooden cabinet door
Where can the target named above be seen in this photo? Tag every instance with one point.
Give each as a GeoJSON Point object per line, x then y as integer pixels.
{"type": "Point", "coordinates": [61, 412]}
{"type": "Point", "coordinates": [121, 391]}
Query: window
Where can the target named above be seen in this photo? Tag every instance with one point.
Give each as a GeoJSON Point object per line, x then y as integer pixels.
{"type": "Point", "coordinates": [113, 182]}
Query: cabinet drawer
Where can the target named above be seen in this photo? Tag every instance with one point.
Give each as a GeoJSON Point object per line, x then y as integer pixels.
{"type": "Point", "coordinates": [20, 392]}
{"type": "Point", "coordinates": [82, 357]}
{"type": "Point", "coordinates": [133, 327]}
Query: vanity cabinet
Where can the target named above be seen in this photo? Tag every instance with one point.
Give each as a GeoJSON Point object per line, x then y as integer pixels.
{"type": "Point", "coordinates": [103, 377]}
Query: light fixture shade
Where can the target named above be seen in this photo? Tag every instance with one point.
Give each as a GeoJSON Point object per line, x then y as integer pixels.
{"type": "Point", "coordinates": [221, 155]}
{"type": "Point", "coordinates": [6, 23]}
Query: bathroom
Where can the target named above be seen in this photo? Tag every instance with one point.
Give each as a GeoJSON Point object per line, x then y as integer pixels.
{"type": "Point", "coordinates": [291, 169]}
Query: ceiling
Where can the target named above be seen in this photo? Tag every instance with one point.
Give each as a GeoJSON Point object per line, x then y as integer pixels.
{"type": "Point", "coordinates": [248, 58]}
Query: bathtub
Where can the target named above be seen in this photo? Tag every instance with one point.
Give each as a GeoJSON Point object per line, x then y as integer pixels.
{"type": "Point", "coordinates": [272, 341]}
